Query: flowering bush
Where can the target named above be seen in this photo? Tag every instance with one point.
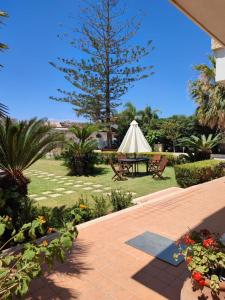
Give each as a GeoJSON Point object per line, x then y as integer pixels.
{"type": "Point", "coordinates": [204, 253]}
{"type": "Point", "coordinates": [20, 265]}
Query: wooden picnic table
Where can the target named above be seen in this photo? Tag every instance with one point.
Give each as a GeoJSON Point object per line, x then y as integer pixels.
{"type": "Point", "coordinates": [134, 162]}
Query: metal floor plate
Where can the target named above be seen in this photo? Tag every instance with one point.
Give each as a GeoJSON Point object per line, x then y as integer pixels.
{"type": "Point", "coordinates": [156, 245]}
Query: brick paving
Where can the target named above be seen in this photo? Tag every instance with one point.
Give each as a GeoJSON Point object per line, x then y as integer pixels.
{"type": "Point", "coordinates": [102, 267]}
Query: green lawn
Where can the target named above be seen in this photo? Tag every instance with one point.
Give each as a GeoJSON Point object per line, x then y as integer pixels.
{"type": "Point", "coordinates": [44, 186]}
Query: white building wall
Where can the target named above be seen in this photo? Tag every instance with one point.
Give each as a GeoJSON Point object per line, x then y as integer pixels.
{"type": "Point", "coordinates": [220, 65]}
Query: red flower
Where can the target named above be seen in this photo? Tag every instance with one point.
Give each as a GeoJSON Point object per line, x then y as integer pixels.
{"type": "Point", "coordinates": [201, 282]}
{"type": "Point", "coordinates": [197, 276]}
{"type": "Point", "coordinates": [209, 243]}
{"type": "Point", "coordinates": [187, 240]}
{"type": "Point", "coordinates": [189, 259]}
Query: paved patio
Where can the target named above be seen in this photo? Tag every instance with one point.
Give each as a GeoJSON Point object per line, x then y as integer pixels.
{"type": "Point", "coordinates": [102, 267]}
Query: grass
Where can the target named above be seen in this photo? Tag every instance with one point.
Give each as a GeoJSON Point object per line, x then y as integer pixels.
{"type": "Point", "coordinates": [142, 185]}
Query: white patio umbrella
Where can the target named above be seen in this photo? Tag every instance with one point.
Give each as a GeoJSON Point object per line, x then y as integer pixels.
{"type": "Point", "coordinates": [134, 140]}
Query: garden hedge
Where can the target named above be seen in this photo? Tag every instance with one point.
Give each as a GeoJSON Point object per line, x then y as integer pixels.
{"type": "Point", "coordinates": [106, 156]}
{"type": "Point", "coordinates": [198, 172]}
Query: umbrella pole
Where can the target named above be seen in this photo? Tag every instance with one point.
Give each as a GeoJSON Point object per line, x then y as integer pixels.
{"type": "Point", "coordinates": [135, 164]}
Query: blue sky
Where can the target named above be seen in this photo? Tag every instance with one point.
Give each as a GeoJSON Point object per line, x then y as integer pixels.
{"type": "Point", "coordinates": [27, 80]}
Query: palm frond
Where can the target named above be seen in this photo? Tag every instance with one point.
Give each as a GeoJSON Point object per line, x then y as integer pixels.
{"type": "Point", "coordinates": [23, 143]}
{"type": "Point", "coordinates": [3, 110]}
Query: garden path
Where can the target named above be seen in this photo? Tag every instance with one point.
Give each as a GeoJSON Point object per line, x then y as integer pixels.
{"type": "Point", "coordinates": [65, 185]}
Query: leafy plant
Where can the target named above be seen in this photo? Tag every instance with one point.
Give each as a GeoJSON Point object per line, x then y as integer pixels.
{"type": "Point", "coordinates": [204, 254]}
{"type": "Point", "coordinates": [201, 146]}
{"type": "Point", "coordinates": [21, 144]}
{"type": "Point", "coordinates": [120, 200]}
{"type": "Point", "coordinates": [101, 206]}
{"type": "Point", "coordinates": [79, 156]}
{"type": "Point", "coordinates": [19, 268]}
{"type": "Point", "coordinates": [209, 95]}
{"type": "Point", "coordinates": [58, 216]}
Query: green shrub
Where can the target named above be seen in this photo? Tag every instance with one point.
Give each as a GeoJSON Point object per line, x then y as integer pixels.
{"type": "Point", "coordinates": [58, 216]}
{"type": "Point", "coordinates": [106, 156]}
{"type": "Point", "coordinates": [120, 200]}
{"type": "Point", "coordinates": [101, 206]}
{"type": "Point", "coordinates": [198, 172]}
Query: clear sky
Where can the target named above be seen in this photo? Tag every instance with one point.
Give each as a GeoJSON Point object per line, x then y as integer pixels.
{"type": "Point", "coordinates": [27, 80]}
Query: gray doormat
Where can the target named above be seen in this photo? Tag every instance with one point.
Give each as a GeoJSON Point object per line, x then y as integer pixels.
{"type": "Point", "coordinates": [156, 245]}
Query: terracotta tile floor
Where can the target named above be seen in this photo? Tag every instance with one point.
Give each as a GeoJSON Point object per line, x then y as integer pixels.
{"type": "Point", "coordinates": [102, 267]}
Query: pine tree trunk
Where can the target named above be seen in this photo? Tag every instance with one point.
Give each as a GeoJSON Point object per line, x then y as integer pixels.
{"type": "Point", "coordinates": [107, 94]}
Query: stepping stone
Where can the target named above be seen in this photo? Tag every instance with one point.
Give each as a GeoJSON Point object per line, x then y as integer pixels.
{"type": "Point", "coordinates": [87, 188]}
{"type": "Point", "coordinates": [40, 198]}
{"type": "Point", "coordinates": [107, 188]}
{"type": "Point", "coordinates": [60, 189]}
{"type": "Point", "coordinates": [68, 192]}
{"type": "Point", "coordinates": [57, 176]}
{"type": "Point", "coordinates": [61, 182]}
{"type": "Point", "coordinates": [88, 183]}
{"type": "Point", "coordinates": [97, 185]}
{"type": "Point", "coordinates": [51, 174]}
{"type": "Point", "coordinates": [64, 177]}
{"type": "Point", "coordinates": [33, 195]}
{"type": "Point", "coordinates": [47, 193]}
{"type": "Point", "coordinates": [68, 183]}
{"type": "Point", "coordinates": [79, 181]}
{"type": "Point", "coordinates": [53, 179]}
{"type": "Point", "coordinates": [55, 195]}
{"type": "Point", "coordinates": [97, 191]}
{"type": "Point", "coordinates": [77, 185]}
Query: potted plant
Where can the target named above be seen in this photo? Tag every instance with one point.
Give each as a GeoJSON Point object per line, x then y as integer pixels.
{"type": "Point", "coordinates": [204, 253]}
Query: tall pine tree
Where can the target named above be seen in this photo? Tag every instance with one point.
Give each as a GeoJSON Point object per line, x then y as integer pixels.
{"type": "Point", "coordinates": [110, 64]}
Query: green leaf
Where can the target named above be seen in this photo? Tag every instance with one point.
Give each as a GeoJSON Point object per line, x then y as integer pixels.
{"type": "Point", "coordinates": [29, 254]}
{"type": "Point", "coordinates": [2, 229]}
{"type": "Point", "coordinates": [19, 237]}
{"type": "Point", "coordinates": [66, 242]}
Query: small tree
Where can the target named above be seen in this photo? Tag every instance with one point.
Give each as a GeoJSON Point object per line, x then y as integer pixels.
{"type": "Point", "coordinates": [110, 64]}
{"type": "Point", "coordinates": [79, 156]}
{"type": "Point", "coordinates": [171, 130]}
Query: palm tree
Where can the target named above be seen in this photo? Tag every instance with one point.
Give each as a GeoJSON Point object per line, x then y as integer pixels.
{"type": "Point", "coordinates": [201, 146]}
{"type": "Point", "coordinates": [21, 145]}
{"type": "Point", "coordinates": [3, 110]}
{"type": "Point", "coordinates": [79, 156]}
{"type": "Point", "coordinates": [130, 113]}
{"type": "Point", "coordinates": [147, 114]}
{"type": "Point", "coordinates": [209, 96]}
